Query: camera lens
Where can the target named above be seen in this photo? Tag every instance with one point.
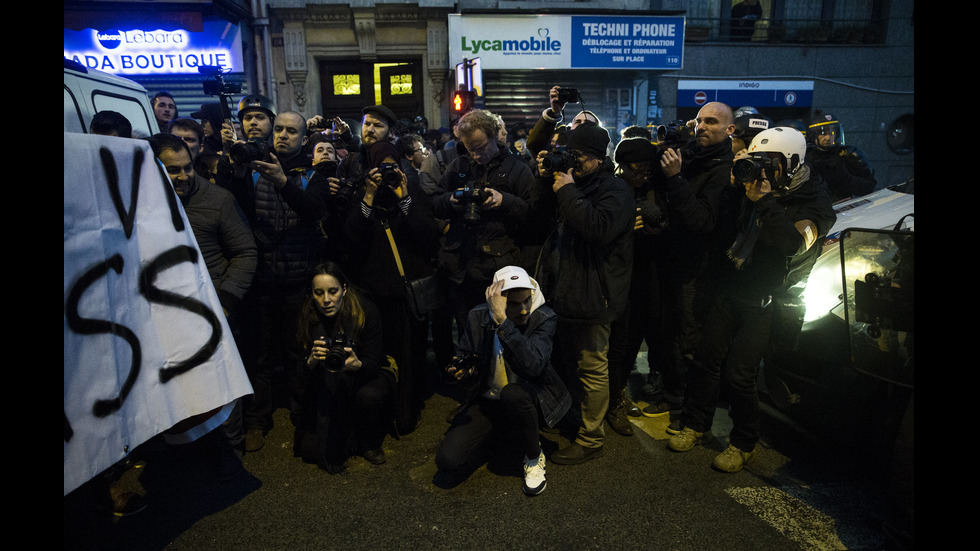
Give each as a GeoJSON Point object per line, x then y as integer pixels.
{"type": "Point", "coordinates": [746, 170]}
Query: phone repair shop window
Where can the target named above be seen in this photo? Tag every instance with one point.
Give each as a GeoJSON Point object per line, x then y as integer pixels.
{"type": "Point", "coordinates": [347, 85]}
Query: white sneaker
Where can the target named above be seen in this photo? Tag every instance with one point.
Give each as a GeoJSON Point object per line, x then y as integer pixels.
{"type": "Point", "coordinates": [534, 481]}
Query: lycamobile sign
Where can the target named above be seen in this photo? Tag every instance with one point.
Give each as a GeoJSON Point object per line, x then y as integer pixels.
{"type": "Point", "coordinates": [567, 42]}
{"type": "Point", "coordinates": [531, 44]}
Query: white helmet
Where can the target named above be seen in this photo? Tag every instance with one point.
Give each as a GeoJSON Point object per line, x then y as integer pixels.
{"type": "Point", "coordinates": [781, 139]}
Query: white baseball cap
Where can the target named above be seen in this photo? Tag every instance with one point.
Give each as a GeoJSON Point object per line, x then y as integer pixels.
{"type": "Point", "coordinates": [514, 277]}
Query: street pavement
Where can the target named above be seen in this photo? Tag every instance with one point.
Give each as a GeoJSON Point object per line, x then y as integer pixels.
{"type": "Point", "coordinates": [799, 492]}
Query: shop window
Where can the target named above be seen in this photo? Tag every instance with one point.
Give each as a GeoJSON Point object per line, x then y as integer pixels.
{"type": "Point", "coordinates": [347, 85]}
{"type": "Point", "coordinates": [400, 84]}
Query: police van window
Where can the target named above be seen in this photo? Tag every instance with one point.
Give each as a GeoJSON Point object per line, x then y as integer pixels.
{"type": "Point", "coordinates": [129, 108]}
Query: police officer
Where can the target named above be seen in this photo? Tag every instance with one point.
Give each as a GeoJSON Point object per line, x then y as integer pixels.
{"type": "Point", "coordinates": [843, 167]}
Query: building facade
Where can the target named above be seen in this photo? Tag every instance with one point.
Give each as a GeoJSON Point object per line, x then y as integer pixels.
{"type": "Point", "coordinates": [851, 58]}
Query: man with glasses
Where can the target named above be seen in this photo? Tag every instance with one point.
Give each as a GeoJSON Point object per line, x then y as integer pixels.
{"type": "Point", "coordinates": [411, 148]}
{"type": "Point", "coordinates": [484, 195]}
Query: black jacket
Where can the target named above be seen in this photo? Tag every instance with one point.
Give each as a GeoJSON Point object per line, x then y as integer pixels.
{"type": "Point", "coordinates": [478, 250]}
{"type": "Point", "coordinates": [701, 205]}
{"type": "Point", "coordinates": [589, 257]}
{"type": "Point", "coordinates": [778, 260]}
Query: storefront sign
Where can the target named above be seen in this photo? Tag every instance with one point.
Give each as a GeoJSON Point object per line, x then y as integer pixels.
{"type": "Point", "coordinates": [131, 52]}
{"type": "Point", "coordinates": [757, 93]}
{"type": "Point", "coordinates": [568, 41]}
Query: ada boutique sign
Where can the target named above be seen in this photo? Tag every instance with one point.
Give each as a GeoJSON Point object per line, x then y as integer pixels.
{"type": "Point", "coordinates": [134, 51]}
{"type": "Point", "coordinates": [567, 42]}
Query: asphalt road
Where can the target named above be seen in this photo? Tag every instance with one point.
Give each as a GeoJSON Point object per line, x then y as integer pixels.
{"type": "Point", "coordinates": [798, 492]}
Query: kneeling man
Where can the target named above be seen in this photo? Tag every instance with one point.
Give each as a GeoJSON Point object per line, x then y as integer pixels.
{"type": "Point", "coordinates": [505, 357]}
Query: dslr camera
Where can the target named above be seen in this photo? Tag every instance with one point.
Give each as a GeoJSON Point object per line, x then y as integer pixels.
{"type": "Point", "coordinates": [345, 195]}
{"type": "Point", "coordinates": [389, 174]}
{"type": "Point", "coordinates": [471, 196]}
{"type": "Point", "coordinates": [336, 355]}
{"type": "Point", "coordinates": [256, 149]}
{"type": "Point", "coordinates": [749, 169]}
{"type": "Point", "coordinates": [560, 160]}
{"type": "Point", "coordinates": [463, 363]}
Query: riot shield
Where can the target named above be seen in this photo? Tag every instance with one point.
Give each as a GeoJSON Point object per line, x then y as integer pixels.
{"type": "Point", "coordinates": [877, 271]}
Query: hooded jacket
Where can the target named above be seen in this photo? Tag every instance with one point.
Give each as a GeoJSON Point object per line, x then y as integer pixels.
{"type": "Point", "coordinates": [526, 352]}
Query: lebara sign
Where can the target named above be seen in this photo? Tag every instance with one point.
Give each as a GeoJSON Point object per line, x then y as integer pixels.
{"type": "Point", "coordinates": [568, 41]}
{"type": "Point", "coordinates": [156, 52]}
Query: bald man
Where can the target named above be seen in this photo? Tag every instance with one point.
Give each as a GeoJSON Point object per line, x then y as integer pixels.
{"type": "Point", "coordinates": [701, 225]}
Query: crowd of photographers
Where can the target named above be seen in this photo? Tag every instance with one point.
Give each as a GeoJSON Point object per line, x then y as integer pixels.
{"type": "Point", "coordinates": [693, 239]}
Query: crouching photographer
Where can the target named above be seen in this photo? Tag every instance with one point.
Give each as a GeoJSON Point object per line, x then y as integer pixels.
{"type": "Point", "coordinates": [504, 358]}
{"type": "Point", "coordinates": [340, 394]}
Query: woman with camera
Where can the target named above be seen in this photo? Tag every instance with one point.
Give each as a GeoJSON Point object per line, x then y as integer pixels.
{"type": "Point", "coordinates": [339, 390]}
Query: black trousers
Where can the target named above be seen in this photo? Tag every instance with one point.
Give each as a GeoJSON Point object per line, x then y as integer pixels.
{"type": "Point", "coordinates": [472, 428]}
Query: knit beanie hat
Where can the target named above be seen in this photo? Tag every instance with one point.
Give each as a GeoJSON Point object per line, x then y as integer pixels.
{"type": "Point", "coordinates": [589, 138]}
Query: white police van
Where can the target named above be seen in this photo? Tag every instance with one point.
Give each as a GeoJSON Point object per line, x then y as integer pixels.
{"type": "Point", "coordinates": [88, 91]}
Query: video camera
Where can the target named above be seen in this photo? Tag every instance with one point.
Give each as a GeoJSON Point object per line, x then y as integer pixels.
{"type": "Point", "coordinates": [674, 135]}
{"type": "Point", "coordinates": [215, 85]}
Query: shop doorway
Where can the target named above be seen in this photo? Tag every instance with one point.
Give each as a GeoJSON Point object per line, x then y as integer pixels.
{"type": "Point", "coordinates": [346, 87]}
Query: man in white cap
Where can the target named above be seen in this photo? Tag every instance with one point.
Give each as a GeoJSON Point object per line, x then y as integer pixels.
{"type": "Point", "coordinates": [504, 357]}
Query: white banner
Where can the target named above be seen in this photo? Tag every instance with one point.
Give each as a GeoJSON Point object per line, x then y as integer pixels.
{"type": "Point", "coordinates": [146, 343]}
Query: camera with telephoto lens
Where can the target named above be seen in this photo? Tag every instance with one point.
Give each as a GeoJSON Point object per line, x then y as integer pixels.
{"type": "Point", "coordinates": [559, 160]}
{"type": "Point", "coordinates": [749, 169]}
{"type": "Point", "coordinates": [464, 363]}
{"type": "Point", "coordinates": [255, 149]}
{"type": "Point", "coordinates": [674, 135]}
{"type": "Point", "coordinates": [569, 95]}
{"type": "Point", "coordinates": [336, 356]}
{"type": "Point", "coordinates": [471, 196]}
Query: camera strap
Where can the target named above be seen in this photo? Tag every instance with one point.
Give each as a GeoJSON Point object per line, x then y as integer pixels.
{"type": "Point", "coordinates": [394, 248]}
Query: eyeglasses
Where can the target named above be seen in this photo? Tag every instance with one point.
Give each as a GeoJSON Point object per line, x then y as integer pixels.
{"type": "Point", "coordinates": [421, 149]}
